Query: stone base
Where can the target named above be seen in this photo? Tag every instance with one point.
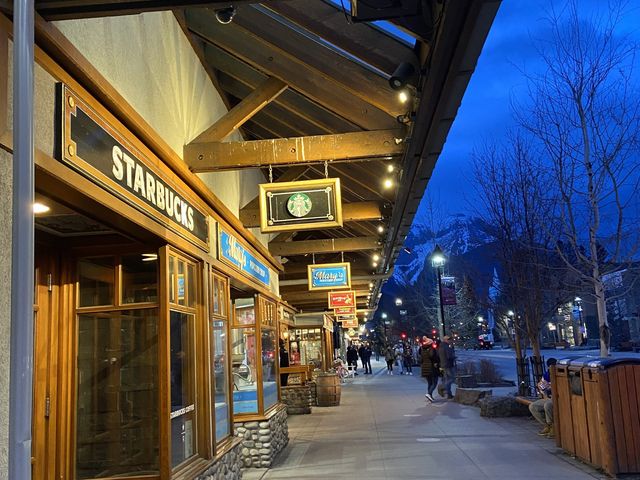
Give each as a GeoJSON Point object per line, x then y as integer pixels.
{"type": "Point", "coordinates": [227, 466]}
{"type": "Point", "coordinates": [313, 394]}
{"type": "Point", "coordinates": [471, 397]}
{"type": "Point", "coordinates": [296, 398]}
{"type": "Point", "coordinates": [263, 440]}
{"type": "Point", "coordinates": [502, 407]}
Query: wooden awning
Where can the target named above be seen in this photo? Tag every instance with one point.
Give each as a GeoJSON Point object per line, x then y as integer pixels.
{"type": "Point", "coordinates": [297, 72]}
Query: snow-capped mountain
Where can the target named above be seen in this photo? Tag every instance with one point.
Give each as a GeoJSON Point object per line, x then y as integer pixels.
{"type": "Point", "coordinates": [458, 236]}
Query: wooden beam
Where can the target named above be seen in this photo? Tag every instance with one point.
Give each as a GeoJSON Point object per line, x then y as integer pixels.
{"type": "Point", "coordinates": [273, 61]}
{"type": "Point", "coordinates": [357, 78]}
{"type": "Point", "coordinates": [363, 40]}
{"type": "Point", "coordinates": [70, 9]}
{"type": "Point", "coordinates": [212, 156]}
{"type": "Point", "coordinates": [247, 108]}
{"type": "Point", "coordinates": [302, 297]}
{"type": "Point", "coordinates": [351, 212]}
{"type": "Point", "coordinates": [312, 111]}
{"type": "Point", "coordinates": [354, 244]}
{"type": "Point", "coordinates": [299, 269]}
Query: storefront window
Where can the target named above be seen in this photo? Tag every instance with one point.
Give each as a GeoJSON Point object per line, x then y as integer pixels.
{"type": "Point", "coordinates": [220, 355]}
{"type": "Point", "coordinates": [305, 347]}
{"type": "Point", "coordinates": [117, 394]}
{"type": "Point", "coordinates": [269, 352]}
{"type": "Point", "coordinates": [183, 396]}
{"type": "Point", "coordinates": [96, 277]}
{"type": "Point", "coordinates": [220, 379]}
{"type": "Point", "coordinates": [139, 278]}
{"type": "Point", "coordinates": [243, 364]}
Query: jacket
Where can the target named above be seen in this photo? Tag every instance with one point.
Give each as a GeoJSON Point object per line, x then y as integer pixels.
{"type": "Point", "coordinates": [447, 355]}
{"type": "Point", "coordinates": [430, 361]}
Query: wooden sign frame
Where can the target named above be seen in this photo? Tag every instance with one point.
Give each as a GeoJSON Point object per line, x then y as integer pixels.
{"type": "Point", "coordinates": [332, 219]}
{"type": "Point", "coordinates": [346, 266]}
{"type": "Point", "coordinates": [346, 298]}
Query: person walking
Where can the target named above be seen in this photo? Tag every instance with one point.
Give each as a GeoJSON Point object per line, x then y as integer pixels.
{"type": "Point", "coordinates": [407, 355]}
{"type": "Point", "coordinates": [399, 351]}
{"type": "Point", "coordinates": [362, 353]}
{"type": "Point", "coordinates": [390, 358]}
{"type": "Point", "coordinates": [352, 358]}
{"type": "Point", "coordinates": [284, 362]}
{"type": "Point", "coordinates": [367, 359]}
{"type": "Point", "coordinates": [447, 356]}
{"type": "Point", "coordinates": [429, 366]}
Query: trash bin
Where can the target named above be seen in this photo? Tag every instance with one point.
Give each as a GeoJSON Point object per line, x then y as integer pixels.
{"type": "Point", "coordinates": [611, 391]}
{"type": "Point", "coordinates": [562, 420]}
{"type": "Point", "coordinates": [579, 417]}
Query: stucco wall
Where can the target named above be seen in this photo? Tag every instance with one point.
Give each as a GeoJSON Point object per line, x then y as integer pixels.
{"type": "Point", "coordinates": [5, 305]}
{"type": "Point", "coordinates": [149, 60]}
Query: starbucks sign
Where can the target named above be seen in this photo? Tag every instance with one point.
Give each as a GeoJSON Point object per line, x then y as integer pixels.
{"type": "Point", "coordinates": [302, 205]}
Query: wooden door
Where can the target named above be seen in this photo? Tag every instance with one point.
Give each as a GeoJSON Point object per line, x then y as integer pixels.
{"type": "Point", "coordinates": [47, 311]}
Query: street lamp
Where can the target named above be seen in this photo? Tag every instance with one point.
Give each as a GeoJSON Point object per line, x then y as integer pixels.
{"type": "Point", "coordinates": [578, 303]}
{"type": "Point", "coordinates": [437, 262]}
{"type": "Point", "coordinates": [398, 302]}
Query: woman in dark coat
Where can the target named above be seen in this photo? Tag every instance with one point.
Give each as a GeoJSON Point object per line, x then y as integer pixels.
{"type": "Point", "coordinates": [430, 366]}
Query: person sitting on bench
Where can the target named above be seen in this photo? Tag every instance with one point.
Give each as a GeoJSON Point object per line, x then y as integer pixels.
{"type": "Point", "coordinates": [542, 409]}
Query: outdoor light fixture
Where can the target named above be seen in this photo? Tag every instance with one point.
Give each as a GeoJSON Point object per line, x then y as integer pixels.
{"type": "Point", "coordinates": [149, 257]}
{"type": "Point", "coordinates": [403, 96]}
{"type": "Point", "coordinates": [402, 75]}
{"type": "Point", "coordinates": [370, 284]}
{"type": "Point", "coordinates": [398, 302]}
{"type": "Point", "coordinates": [391, 167]}
{"type": "Point", "coordinates": [510, 313]}
{"type": "Point", "coordinates": [388, 183]}
{"type": "Point", "coordinates": [437, 262]}
{"type": "Point", "coordinates": [380, 228]}
{"type": "Point", "coordinates": [40, 208]}
{"type": "Point", "coordinates": [407, 250]}
{"type": "Point", "coordinates": [376, 257]}
{"type": "Point", "coordinates": [384, 315]}
{"type": "Point", "coordinates": [375, 264]}
{"type": "Point", "coordinates": [225, 15]}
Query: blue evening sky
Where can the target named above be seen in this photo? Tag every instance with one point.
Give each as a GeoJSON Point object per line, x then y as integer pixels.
{"type": "Point", "coordinates": [485, 111]}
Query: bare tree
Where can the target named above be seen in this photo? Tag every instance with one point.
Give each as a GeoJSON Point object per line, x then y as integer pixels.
{"type": "Point", "coordinates": [585, 113]}
{"type": "Point", "coordinates": [512, 185]}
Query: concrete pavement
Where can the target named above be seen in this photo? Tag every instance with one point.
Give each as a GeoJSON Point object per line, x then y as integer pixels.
{"type": "Point", "coordinates": [384, 429]}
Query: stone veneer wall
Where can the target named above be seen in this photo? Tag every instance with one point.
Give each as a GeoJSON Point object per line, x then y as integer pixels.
{"type": "Point", "coordinates": [313, 394]}
{"type": "Point", "coordinates": [227, 466]}
{"type": "Point", "coordinates": [297, 398]}
{"type": "Point", "coordinates": [263, 440]}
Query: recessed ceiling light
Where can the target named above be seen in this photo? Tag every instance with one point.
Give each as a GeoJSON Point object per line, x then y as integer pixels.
{"type": "Point", "coordinates": [40, 208]}
{"type": "Point", "coordinates": [403, 96]}
{"type": "Point", "coordinates": [380, 228]}
{"type": "Point", "coordinates": [375, 264]}
{"type": "Point", "coordinates": [390, 168]}
{"type": "Point", "coordinates": [376, 257]}
{"type": "Point", "coordinates": [388, 183]}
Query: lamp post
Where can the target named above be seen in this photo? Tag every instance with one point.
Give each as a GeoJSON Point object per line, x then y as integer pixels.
{"type": "Point", "coordinates": [437, 262]}
{"type": "Point", "coordinates": [581, 326]}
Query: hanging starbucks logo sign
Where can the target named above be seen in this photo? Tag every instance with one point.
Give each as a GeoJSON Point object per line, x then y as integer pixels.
{"type": "Point", "coordinates": [301, 205]}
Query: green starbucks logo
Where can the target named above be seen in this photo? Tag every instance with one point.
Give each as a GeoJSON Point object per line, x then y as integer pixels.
{"type": "Point", "coordinates": [299, 205]}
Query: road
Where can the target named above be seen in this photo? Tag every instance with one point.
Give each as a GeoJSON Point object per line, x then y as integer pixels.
{"type": "Point", "coordinates": [506, 363]}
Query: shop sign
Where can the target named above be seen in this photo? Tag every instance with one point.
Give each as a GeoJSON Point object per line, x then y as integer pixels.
{"type": "Point", "coordinates": [230, 251]}
{"type": "Point", "coordinates": [345, 311]}
{"type": "Point", "coordinates": [345, 298]}
{"type": "Point", "coordinates": [346, 318]}
{"type": "Point", "coordinates": [98, 151]}
{"type": "Point", "coordinates": [301, 205]}
{"type": "Point", "coordinates": [327, 276]}
{"type": "Point", "coordinates": [350, 324]}
{"type": "Point", "coordinates": [448, 290]}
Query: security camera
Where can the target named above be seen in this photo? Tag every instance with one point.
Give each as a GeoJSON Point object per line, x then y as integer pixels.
{"type": "Point", "coordinates": [402, 75]}
{"type": "Point", "coordinates": [225, 15]}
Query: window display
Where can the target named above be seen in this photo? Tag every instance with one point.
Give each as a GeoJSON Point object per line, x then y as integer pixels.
{"type": "Point", "coordinates": [244, 358]}
{"type": "Point", "coordinates": [269, 384]}
{"type": "Point", "coordinates": [219, 355]}
{"type": "Point", "coordinates": [305, 347]}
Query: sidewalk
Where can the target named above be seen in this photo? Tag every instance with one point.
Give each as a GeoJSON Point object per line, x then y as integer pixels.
{"type": "Point", "coordinates": [384, 429]}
